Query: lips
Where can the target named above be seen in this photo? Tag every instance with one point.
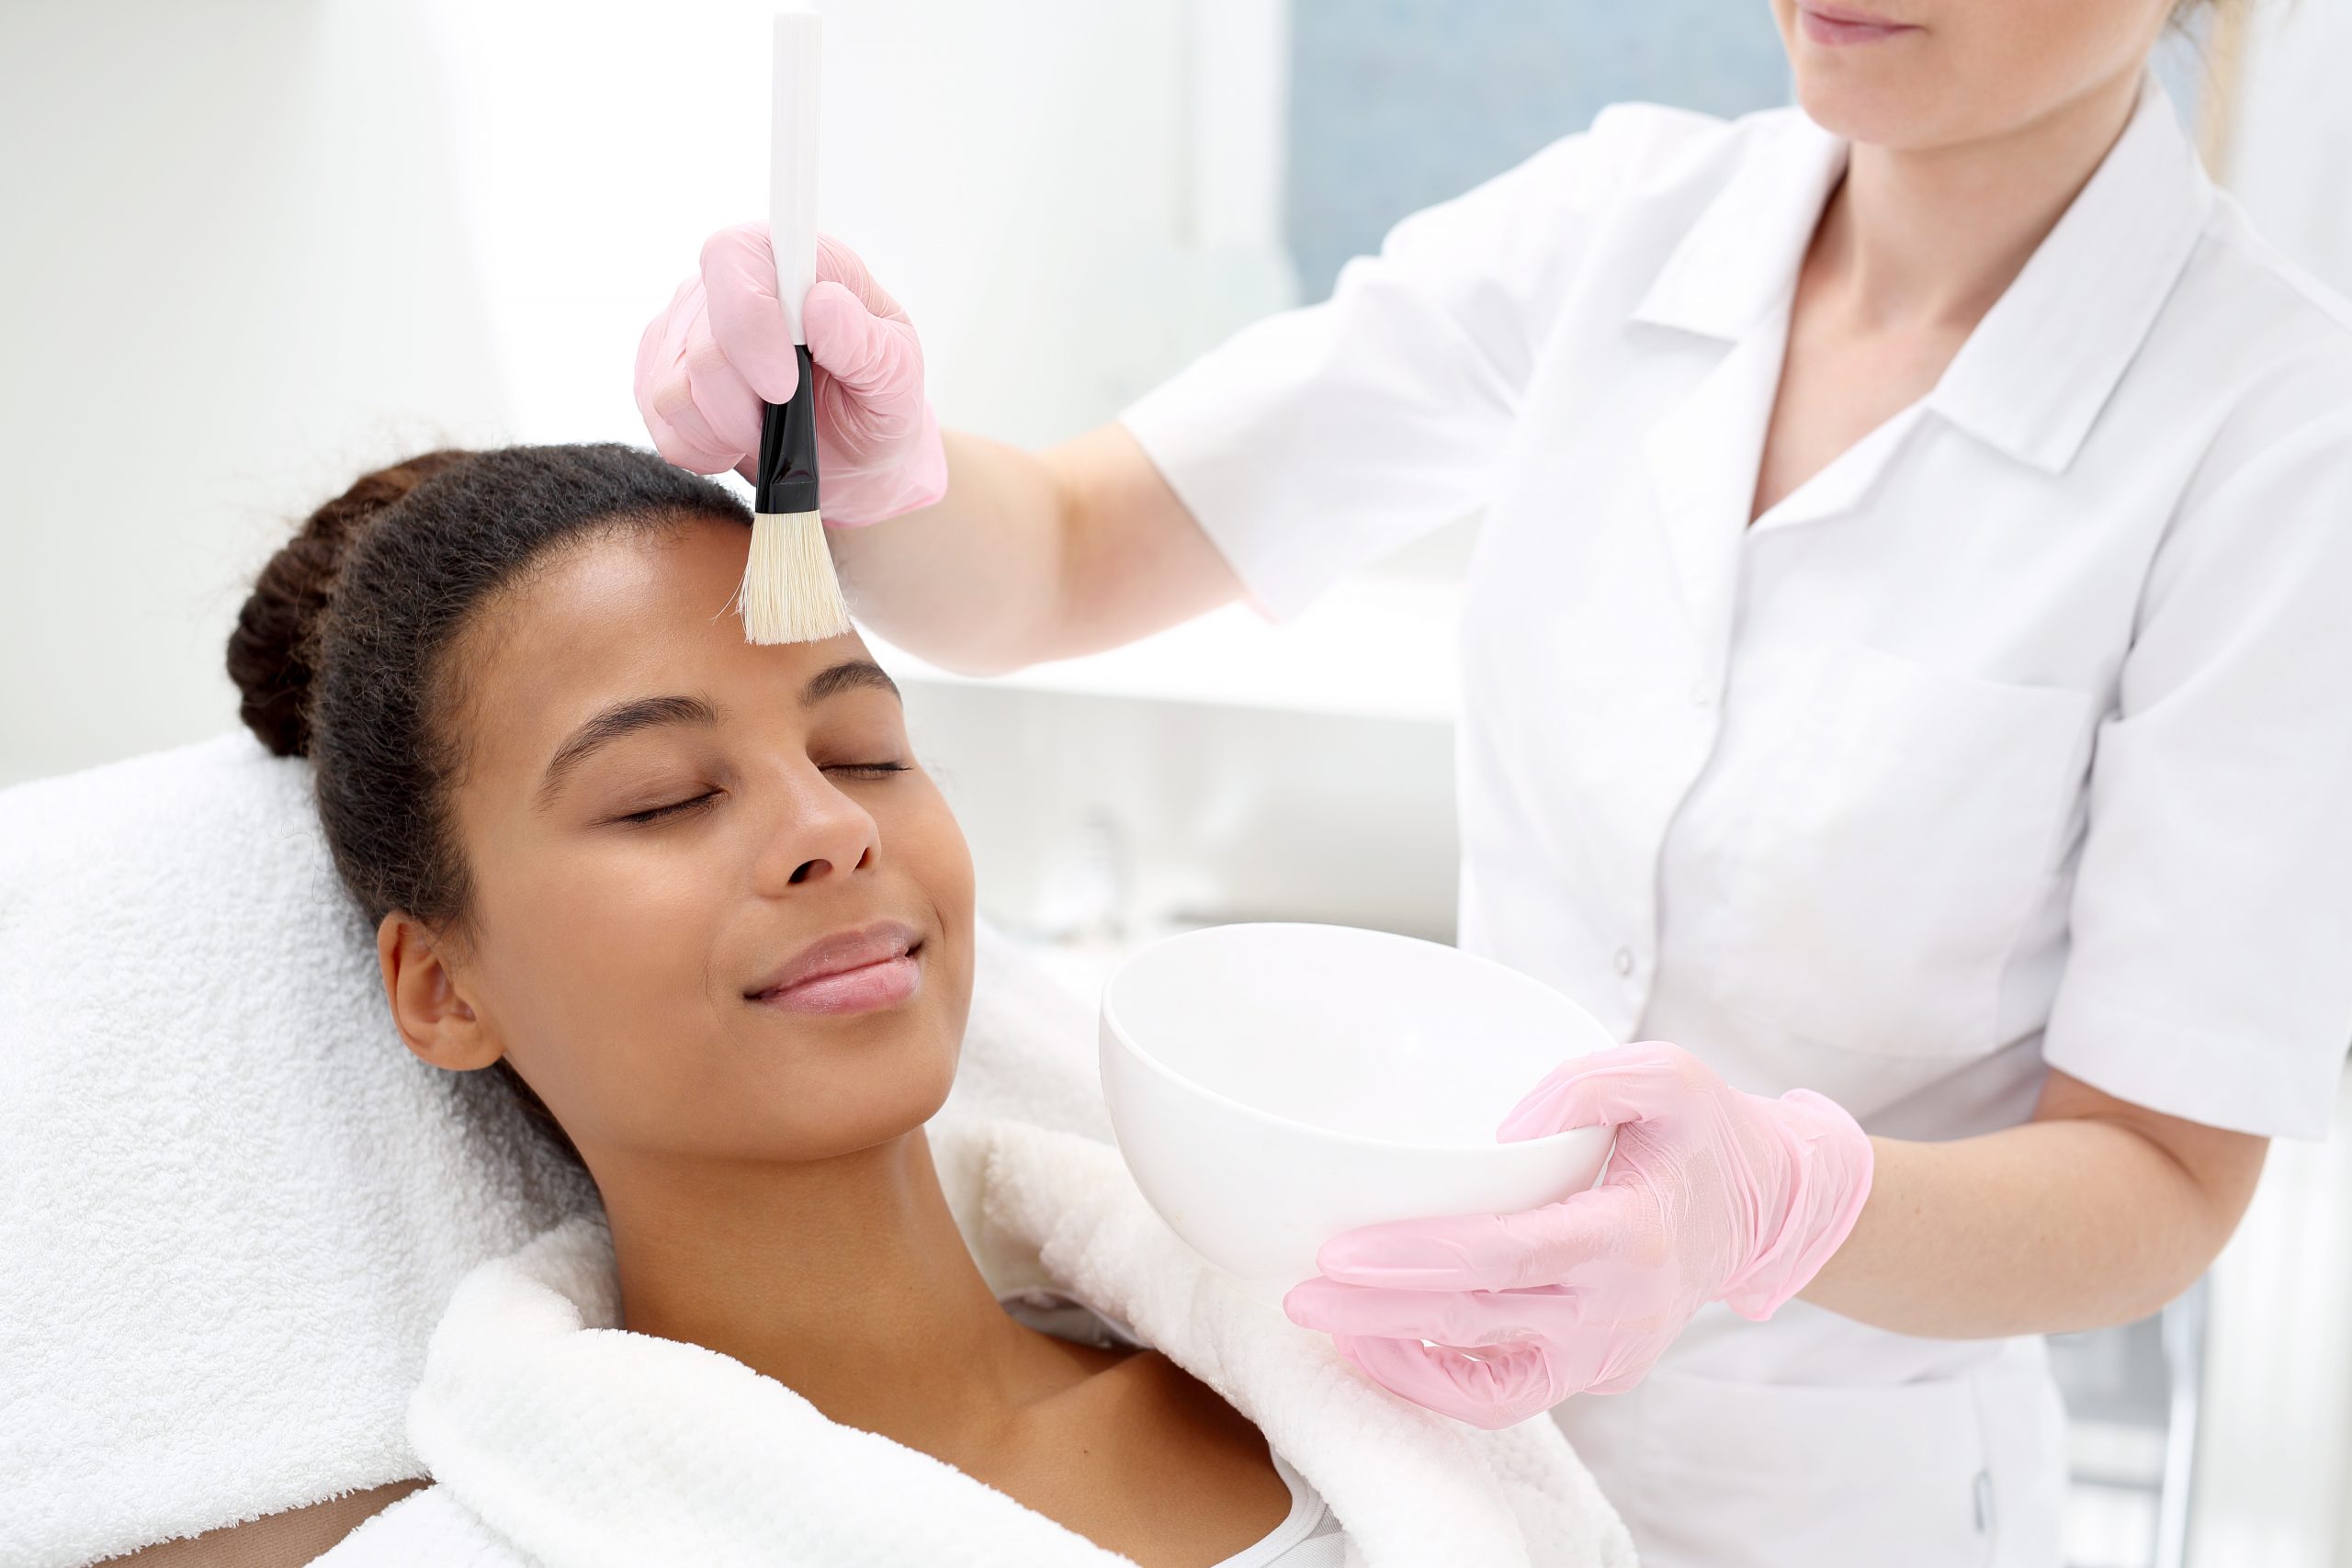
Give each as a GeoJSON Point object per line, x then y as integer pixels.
{"type": "Point", "coordinates": [1844, 24]}
{"type": "Point", "coordinates": [849, 971]}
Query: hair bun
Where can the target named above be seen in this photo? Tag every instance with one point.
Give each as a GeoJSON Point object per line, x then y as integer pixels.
{"type": "Point", "coordinates": [272, 653]}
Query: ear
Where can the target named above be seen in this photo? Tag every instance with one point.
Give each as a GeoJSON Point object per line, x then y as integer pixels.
{"type": "Point", "coordinates": [435, 1018]}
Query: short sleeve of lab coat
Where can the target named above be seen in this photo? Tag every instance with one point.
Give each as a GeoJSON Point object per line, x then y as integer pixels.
{"type": "Point", "coordinates": [1318, 440]}
{"type": "Point", "coordinates": [2210, 971]}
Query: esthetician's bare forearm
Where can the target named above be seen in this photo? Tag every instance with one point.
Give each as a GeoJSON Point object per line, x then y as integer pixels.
{"type": "Point", "coordinates": [2096, 1212]}
{"type": "Point", "coordinates": [1034, 556]}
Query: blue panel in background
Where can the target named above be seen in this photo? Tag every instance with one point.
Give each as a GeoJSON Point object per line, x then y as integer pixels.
{"type": "Point", "coordinates": [1396, 104]}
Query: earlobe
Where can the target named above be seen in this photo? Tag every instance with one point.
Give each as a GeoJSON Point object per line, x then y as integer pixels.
{"type": "Point", "coordinates": [435, 1020]}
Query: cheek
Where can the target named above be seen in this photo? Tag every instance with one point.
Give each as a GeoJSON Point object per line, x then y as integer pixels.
{"type": "Point", "coordinates": [2089, 41]}
{"type": "Point", "coordinates": [950, 887]}
{"type": "Point", "coordinates": [1983, 69]}
{"type": "Point", "coordinates": [933, 853]}
{"type": "Point", "coordinates": [941, 859]}
{"type": "Point", "coordinates": [1997, 65]}
{"type": "Point", "coordinates": [601, 963]}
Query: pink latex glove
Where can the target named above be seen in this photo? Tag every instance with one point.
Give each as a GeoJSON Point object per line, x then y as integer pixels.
{"type": "Point", "coordinates": [707, 364]}
{"type": "Point", "coordinates": [1711, 1195]}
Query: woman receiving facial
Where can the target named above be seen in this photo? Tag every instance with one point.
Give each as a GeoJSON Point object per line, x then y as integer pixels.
{"type": "Point", "coordinates": [699, 899]}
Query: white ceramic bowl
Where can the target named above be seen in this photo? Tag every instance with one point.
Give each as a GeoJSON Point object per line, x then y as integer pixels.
{"type": "Point", "coordinates": [1274, 1085]}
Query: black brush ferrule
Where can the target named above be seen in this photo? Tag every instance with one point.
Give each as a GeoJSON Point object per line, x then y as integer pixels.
{"type": "Point", "coordinates": [787, 470]}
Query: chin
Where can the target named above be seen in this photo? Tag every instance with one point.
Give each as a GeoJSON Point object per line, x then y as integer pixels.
{"type": "Point", "coordinates": [866, 1086]}
{"type": "Point", "coordinates": [1875, 104]}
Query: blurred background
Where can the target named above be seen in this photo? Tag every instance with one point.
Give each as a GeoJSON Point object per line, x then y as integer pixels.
{"type": "Point", "coordinates": [252, 247]}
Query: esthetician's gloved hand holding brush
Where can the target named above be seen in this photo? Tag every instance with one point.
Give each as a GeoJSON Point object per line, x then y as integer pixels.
{"type": "Point", "coordinates": [706, 366]}
{"type": "Point", "coordinates": [1711, 1195]}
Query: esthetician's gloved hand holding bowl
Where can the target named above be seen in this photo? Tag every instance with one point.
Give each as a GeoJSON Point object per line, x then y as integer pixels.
{"type": "Point", "coordinates": [707, 363]}
{"type": "Point", "coordinates": [1711, 1195]}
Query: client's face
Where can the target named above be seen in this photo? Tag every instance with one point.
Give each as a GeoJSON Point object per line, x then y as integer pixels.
{"type": "Point", "coordinates": [719, 907]}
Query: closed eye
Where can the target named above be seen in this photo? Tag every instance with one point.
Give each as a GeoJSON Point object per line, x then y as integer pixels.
{"type": "Point", "coordinates": [675, 809]}
{"type": "Point", "coordinates": [680, 808]}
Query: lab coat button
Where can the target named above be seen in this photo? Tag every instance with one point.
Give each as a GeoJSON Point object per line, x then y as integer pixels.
{"type": "Point", "coordinates": [1702, 695]}
{"type": "Point", "coordinates": [1624, 960]}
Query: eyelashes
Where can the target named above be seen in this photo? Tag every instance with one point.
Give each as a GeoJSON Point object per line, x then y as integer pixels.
{"type": "Point", "coordinates": [695, 803]}
{"type": "Point", "coordinates": [675, 809]}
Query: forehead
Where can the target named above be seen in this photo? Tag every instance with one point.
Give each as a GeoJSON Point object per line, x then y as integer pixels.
{"type": "Point", "coordinates": [636, 611]}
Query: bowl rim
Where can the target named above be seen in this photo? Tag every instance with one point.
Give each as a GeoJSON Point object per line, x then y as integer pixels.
{"type": "Point", "coordinates": [1112, 1028]}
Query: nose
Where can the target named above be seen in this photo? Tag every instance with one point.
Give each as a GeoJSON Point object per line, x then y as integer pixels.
{"type": "Point", "coordinates": [821, 832]}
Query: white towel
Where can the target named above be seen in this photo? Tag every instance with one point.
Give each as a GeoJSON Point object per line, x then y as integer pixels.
{"type": "Point", "coordinates": [232, 1206]}
{"type": "Point", "coordinates": [558, 1441]}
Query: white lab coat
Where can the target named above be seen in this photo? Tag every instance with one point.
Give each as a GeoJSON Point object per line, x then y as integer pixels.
{"type": "Point", "coordinates": [2019, 735]}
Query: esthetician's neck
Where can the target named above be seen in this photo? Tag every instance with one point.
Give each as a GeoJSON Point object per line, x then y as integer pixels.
{"type": "Point", "coordinates": [1928, 238]}
{"type": "Point", "coordinates": [845, 1280]}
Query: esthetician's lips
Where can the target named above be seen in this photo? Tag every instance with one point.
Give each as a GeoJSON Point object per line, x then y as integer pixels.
{"type": "Point", "coordinates": [860, 970]}
{"type": "Point", "coordinates": [1837, 25]}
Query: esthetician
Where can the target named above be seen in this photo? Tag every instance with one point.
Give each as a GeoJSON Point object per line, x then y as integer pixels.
{"type": "Point", "coordinates": [1908, 667]}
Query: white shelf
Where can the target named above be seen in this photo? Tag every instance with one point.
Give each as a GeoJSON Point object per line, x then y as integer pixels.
{"type": "Point", "coordinates": [1375, 648]}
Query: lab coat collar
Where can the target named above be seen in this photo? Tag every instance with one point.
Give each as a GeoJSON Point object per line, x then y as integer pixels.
{"type": "Point", "coordinates": [2031, 379]}
{"type": "Point", "coordinates": [1738, 263]}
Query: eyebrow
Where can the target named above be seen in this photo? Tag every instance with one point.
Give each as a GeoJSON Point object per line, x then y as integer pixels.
{"type": "Point", "coordinates": [621, 718]}
{"type": "Point", "coordinates": [848, 675]}
{"type": "Point", "coordinates": [648, 713]}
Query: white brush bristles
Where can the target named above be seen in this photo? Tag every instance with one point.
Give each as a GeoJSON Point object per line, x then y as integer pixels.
{"type": "Point", "coordinates": [790, 593]}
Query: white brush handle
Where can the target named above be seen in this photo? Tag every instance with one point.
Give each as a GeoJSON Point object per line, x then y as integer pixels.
{"type": "Point", "coordinates": [792, 163]}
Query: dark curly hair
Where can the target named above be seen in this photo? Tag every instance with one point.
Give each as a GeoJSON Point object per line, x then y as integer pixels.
{"type": "Point", "coordinates": [342, 650]}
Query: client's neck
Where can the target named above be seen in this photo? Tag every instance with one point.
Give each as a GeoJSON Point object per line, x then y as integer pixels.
{"type": "Point", "coordinates": [844, 1279]}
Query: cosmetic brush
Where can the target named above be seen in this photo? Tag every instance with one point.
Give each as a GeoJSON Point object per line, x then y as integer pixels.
{"type": "Point", "coordinates": [790, 593]}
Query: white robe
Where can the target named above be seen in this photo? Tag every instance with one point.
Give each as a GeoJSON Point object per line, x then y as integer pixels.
{"type": "Point", "coordinates": [555, 1439]}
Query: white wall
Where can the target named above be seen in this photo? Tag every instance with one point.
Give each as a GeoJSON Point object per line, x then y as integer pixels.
{"type": "Point", "coordinates": [233, 274]}
{"type": "Point", "coordinates": [2274, 1485]}
{"type": "Point", "coordinates": [252, 247]}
